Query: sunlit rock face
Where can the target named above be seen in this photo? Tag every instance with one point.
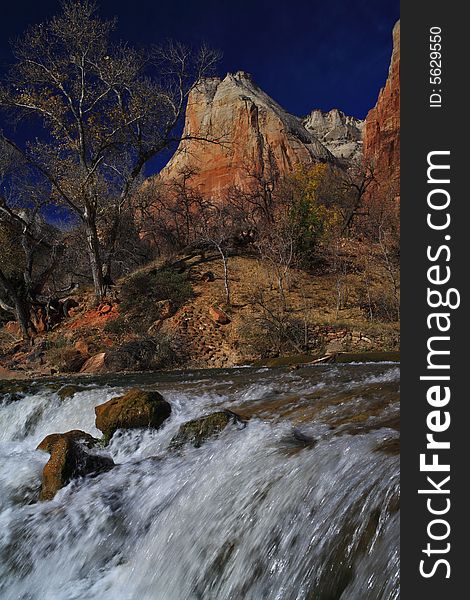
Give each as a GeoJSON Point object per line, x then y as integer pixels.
{"type": "Point", "coordinates": [340, 133]}
{"type": "Point", "coordinates": [382, 124]}
{"type": "Point", "coordinates": [250, 135]}
{"type": "Point", "coordinates": [239, 134]}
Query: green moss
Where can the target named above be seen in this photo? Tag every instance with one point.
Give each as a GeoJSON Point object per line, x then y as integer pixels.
{"type": "Point", "coordinates": [350, 357]}
{"type": "Point", "coordinates": [137, 408]}
{"type": "Point", "coordinates": [68, 391]}
{"type": "Point", "coordinates": [197, 431]}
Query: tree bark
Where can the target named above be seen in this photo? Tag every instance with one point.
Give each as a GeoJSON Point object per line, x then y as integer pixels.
{"type": "Point", "coordinates": [111, 250]}
{"type": "Point", "coordinates": [22, 316]}
{"type": "Point", "coordinates": [20, 306]}
{"type": "Point", "coordinates": [96, 263]}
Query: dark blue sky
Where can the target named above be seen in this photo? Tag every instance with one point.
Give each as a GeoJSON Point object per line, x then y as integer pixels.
{"type": "Point", "coordinates": [305, 53]}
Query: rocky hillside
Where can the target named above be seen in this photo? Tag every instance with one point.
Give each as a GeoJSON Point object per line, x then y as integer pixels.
{"type": "Point", "coordinates": [253, 135]}
{"type": "Point", "coordinates": [136, 330]}
{"type": "Point", "coordinates": [382, 124]}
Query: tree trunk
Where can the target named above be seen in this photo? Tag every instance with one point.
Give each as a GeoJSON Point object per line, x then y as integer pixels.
{"type": "Point", "coordinates": [22, 316]}
{"type": "Point", "coordinates": [111, 250]}
{"type": "Point", "coordinates": [20, 307]}
{"type": "Point", "coordinates": [228, 300]}
{"type": "Point", "coordinates": [96, 264]}
{"type": "Point", "coordinates": [226, 281]}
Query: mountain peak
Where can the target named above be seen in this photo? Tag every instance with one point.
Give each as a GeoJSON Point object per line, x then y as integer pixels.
{"type": "Point", "coordinates": [253, 135]}
{"type": "Point", "coordinates": [340, 133]}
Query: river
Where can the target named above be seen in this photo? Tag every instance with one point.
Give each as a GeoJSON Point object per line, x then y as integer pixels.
{"type": "Point", "coordinates": [301, 504]}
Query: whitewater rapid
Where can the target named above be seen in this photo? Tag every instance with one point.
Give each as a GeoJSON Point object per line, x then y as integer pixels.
{"type": "Point", "coordinates": [288, 508]}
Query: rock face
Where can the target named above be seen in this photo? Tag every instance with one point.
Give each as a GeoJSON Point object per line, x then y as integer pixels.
{"type": "Point", "coordinates": [137, 408]}
{"type": "Point", "coordinates": [382, 125]}
{"type": "Point", "coordinates": [69, 460]}
{"type": "Point", "coordinates": [95, 364]}
{"type": "Point", "coordinates": [197, 431]}
{"type": "Point", "coordinates": [256, 137]}
{"type": "Point", "coordinates": [166, 308]}
{"type": "Point", "coordinates": [218, 315]}
{"type": "Point", "coordinates": [341, 134]}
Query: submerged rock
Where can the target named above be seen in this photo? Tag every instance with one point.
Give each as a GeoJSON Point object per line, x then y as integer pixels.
{"type": "Point", "coordinates": [10, 397]}
{"type": "Point", "coordinates": [137, 408]}
{"type": "Point", "coordinates": [12, 391]}
{"type": "Point", "coordinates": [69, 459]}
{"type": "Point", "coordinates": [197, 431]}
{"type": "Point", "coordinates": [390, 447]}
{"type": "Point", "coordinates": [12, 387]}
{"type": "Point", "coordinates": [68, 391]}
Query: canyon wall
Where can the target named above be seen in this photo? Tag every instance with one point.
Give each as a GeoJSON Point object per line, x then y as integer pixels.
{"type": "Point", "coordinates": [382, 124]}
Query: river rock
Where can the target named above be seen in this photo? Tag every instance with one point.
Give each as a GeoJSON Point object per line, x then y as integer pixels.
{"type": "Point", "coordinates": [12, 391]}
{"type": "Point", "coordinates": [69, 459]}
{"type": "Point", "coordinates": [137, 408]}
{"type": "Point", "coordinates": [76, 434]}
{"type": "Point", "coordinates": [68, 391]}
{"type": "Point", "coordinates": [197, 431]}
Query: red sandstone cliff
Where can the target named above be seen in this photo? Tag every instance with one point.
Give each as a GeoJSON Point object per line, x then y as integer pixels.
{"type": "Point", "coordinates": [253, 134]}
{"type": "Point", "coordinates": [382, 125]}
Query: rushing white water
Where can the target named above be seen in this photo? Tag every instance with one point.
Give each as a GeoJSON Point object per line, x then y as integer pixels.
{"type": "Point", "coordinates": [260, 513]}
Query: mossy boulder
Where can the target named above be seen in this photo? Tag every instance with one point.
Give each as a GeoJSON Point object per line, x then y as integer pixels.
{"type": "Point", "coordinates": [69, 459]}
{"type": "Point", "coordinates": [197, 431]}
{"type": "Point", "coordinates": [137, 408]}
{"type": "Point", "coordinates": [68, 391]}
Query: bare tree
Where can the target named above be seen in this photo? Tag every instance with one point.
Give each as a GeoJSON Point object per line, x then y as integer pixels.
{"type": "Point", "coordinates": [106, 109]}
{"type": "Point", "coordinates": [257, 200]}
{"type": "Point", "coordinates": [355, 182]}
{"type": "Point", "coordinates": [217, 230]}
{"type": "Point", "coordinates": [30, 248]}
{"type": "Point", "coordinates": [391, 268]}
{"type": "Point", "coordinates": [170, 213]}
{"type": "Point", "coordinates": [277, 246]}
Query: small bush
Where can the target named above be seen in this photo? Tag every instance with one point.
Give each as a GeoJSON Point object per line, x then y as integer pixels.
{"type": "Point", "coordinates": [140, 295]}
{"type": "Point", "coordinates": [269, 337]}
{"type": "Point", "coordinates": [118, 326]}
{"type": "Point", "coordinates": [150, 353]}
{"type": "Point", "coordinates": [155, 285]}
{"type": "Point", "coordinates": [65, 358]}
{"type": "Point", "coordinates": [380, 306]}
